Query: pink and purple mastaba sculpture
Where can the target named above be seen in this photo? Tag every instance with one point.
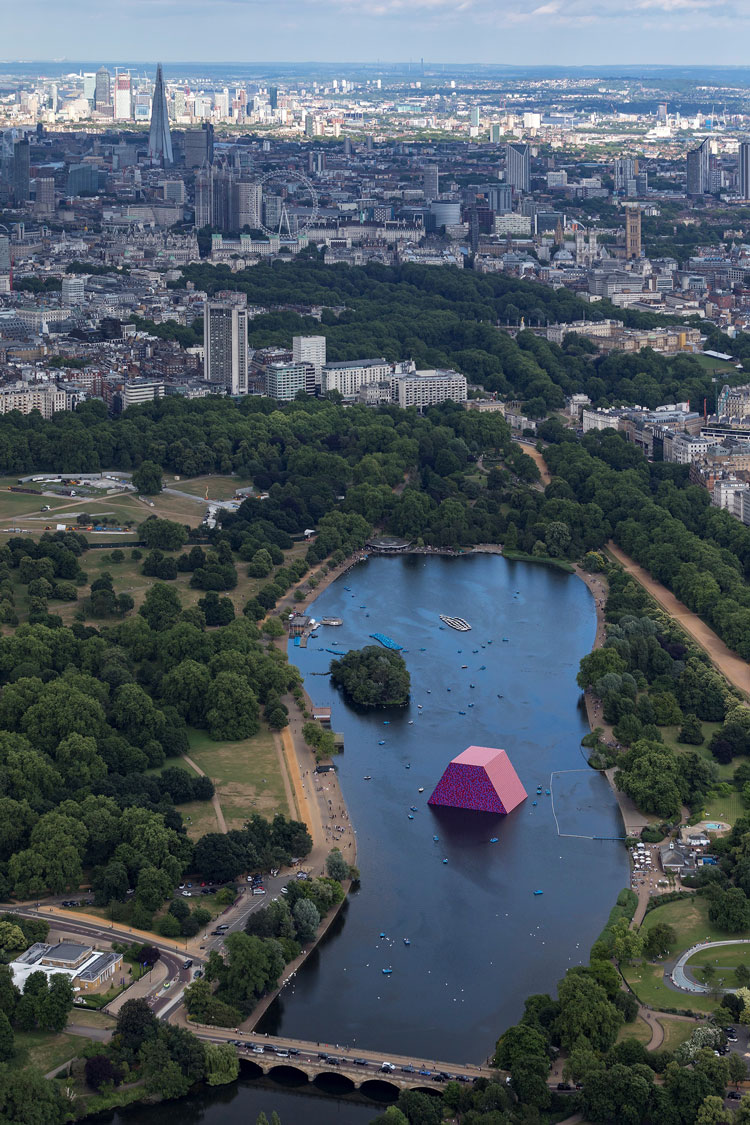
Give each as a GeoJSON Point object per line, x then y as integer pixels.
{"type": "Point", "coordinates": [482, 779]}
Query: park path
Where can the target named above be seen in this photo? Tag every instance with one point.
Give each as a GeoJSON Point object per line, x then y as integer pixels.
{"type": "Point", "coordinates": [214, 800]}
{"type": "Point", "coordinates": [736, 670]}
{"type": "Point", "coordinates": [537, 457]}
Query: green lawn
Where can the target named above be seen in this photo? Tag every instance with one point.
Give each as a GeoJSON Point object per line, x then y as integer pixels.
{"type": "Point", "coordinates": [727, 809]}
{"type": "Point", "coordinates": [639, 1030]}
{"type": "Point", "coordinates": [715, 365]}
{"type": "Point", "coordinates": [675, 1032]}
{"type": "Point", "coordinates": [199, 818]}
{"type": "Point", "coordinates": [247, 774]}
{"type": "Point", "coordinates": [647, 982]}
{"type": "Point", "coordinates": [219, 487]}
{"type": "Point", "coordinates": [689, 917]}
{"type": "Point", "coordinates": [44, 1050]}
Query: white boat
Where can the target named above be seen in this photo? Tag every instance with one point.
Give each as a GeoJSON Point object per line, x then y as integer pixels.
{"type": "Point", "coordinates": [456, 623]}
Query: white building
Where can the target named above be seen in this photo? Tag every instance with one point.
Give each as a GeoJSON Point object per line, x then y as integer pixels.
{"type": "Point", "coordinates": [225, 340]}
{"type": "Point", "coordinates": [348, 377]}
{"type": "Point", "coordinates": [686, 448]}
{"type": "Point", "coordinates": [310, 349]}
{"type": "Point", "coordinates": [86, 968]}
{"type": "Point", "coordinates": [73, 290]}
{"type": "Point", "coordinates": [427, 388]}
{"type": "Point", "coordinates": [725, 492]}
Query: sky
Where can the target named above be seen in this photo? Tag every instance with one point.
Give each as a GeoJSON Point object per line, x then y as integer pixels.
{"type": "Point", "coordinates": [524, 32]}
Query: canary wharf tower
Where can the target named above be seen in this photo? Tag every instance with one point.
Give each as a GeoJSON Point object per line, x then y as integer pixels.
{"type": "Point", "coordinates": [159, 140]}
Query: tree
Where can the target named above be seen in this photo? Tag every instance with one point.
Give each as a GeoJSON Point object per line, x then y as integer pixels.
{"type": "Point", "coordinates": [100, 1071]}
{"type": "Point", "coordinates": [163, 535]}
{"type": "Point", "coordinates": [12, 939]}
{"type": "Point", "coordinates": [372, 677]}
{"type": "Point", "coordinates": [136, 1024]}
{"type": "Point", "coordinates": [691, 731]}
{"type": "Point", "coordinates": [162, 606]}
{"type": "Point", "coordinates": [336, 866]}
{"type": "Point", "coordinates": [7, 1045]}
{"type": "Point", "coordinates": [712, 1112]}
{"type": "Point", "coordinates": [219, 857]}
{"type": "Point", "coordinates": [222, 1064]}
{"type": "Point", "coordinates": [306, 919]}
{"type": "Point", "coordinates": [231, 708]}
{"type": "Point", "coordinates": [742, 974]}
{"type": "Point", "coordinates": [659, 940]}
{"type": "Point", "coordinates": [147, 478]}
{"type": "Point", "coordinates": [737, 1069]}
{"type": "Point", "coordinates": [419, 1108]}
{"type": "Point", "coordinates": [730, 910]}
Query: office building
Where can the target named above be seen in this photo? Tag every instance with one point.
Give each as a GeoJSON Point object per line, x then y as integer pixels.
{"type": "Point", "coordinates": [431, 181]}
{"type": "Point", "coordinates": [499, 198]}
{"type": "Point", "coordinates": [89, 87]}
{"type": "Point", "coordinates": [310, 349]}
{"type": "Point", "coordinates": [517, 167]}
{"type": "Point", "coordinates": [159, 138]}
{"type": "Point", "coordinates": [44, 195]}
{"type": "Point", "coordinates": [102, 88]}
{"type": "Point", "coordinates": [745, 170]}
{"type": "Point", "coordinates": [632, 232]}
{"type": "Point", "coordinates": [123, 99]}
{"type": "Point", "coordinates": [73, 290]}
{"type": "Point", "coordinates": [273, 97]}
{"type": "Point", "coordinates": [199, 146]}
{"type": "Point", "coordinates": [245, 206]}
{"type": "Point", "coordinates": [699, 169]}
{"type": "Point", "coordinates": [21, 171]}
{"type": "Point", "coordinates": [83, 179]}
{"type": "Point", "coordinates": [475, 116]}
{"type": "Point", "coordinates": [625, 169]}
{"type": "Point", "coordinates": [225, 342]}
{"type": "Point", "coordinates": [204, 197]}
{"type": "Point", "coordinates": [284, 381]}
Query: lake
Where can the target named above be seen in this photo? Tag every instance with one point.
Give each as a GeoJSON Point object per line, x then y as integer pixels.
{"type": "Point", "coordinates": [480, 939]}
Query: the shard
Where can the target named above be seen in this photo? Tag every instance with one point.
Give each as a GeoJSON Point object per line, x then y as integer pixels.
{"type": "Point", "coordinates": [159, 139]}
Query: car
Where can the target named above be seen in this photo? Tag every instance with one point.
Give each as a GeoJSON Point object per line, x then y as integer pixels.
{"type": "Point", "coordinates": [408, 1070]}
{"type": "Point", "coordinates": [564, 1086]}
{"type": "Point", "coordinates": [217, 933]}
{"type": "Point", "coordinates": [223, 926]}
{"type": "Point", "coordinates": [198, 973]}
{"type": "Point", "coordinates": [735, 1095]}
{"type": "Point", "coordinates": [181, 887]}
{"type": "Point", "coordinates": [284, 891]}
{"type": "Point", "coordinates": [188, 964]}
{"type": "Point", "coordinates": [258, 1050]}
{"type": "Point", "coordinates": [190, 884]}
{"type": "Point", "coordinates": [293, 1051]}
{"type": "Point", "coordinates": [360, 1062]}
{"type": "Point", "coordinates": [387, 1067]}
{"type": "Point", "coordinates": [462, 1078]}
{"type": "Point", "coordinates": [438, 1078]}
{"type": "Point", "coordinates": [322, 1055]}
{"type": "Point", "coordinates": [427, 1073]}
{"type": "Point", "coordinates": [259, 890]}
{"type": "Point", "coordinates": [301, 874]}
{"type": "Point", "coordinates": [332, 1060]}
{"type": "Point", "coordinates": [282, 1053]}
{"type": "Point", "coordinates": [274, 872]}
{"type": "Point", "coordinates": [444, 1076]}
{"type": "Point", "coordinates": [187, 894]}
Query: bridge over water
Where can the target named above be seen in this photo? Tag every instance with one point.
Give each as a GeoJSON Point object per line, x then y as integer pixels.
{"type": "Point", "coordinates": [316, 1059]}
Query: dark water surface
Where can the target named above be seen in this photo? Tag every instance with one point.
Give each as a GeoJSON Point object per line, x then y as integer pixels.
{"type": "Point", "coordinates": [481, 940]}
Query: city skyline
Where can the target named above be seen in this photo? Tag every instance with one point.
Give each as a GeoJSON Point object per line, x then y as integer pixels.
{"type": "Point", "coordinates": [544, 33]}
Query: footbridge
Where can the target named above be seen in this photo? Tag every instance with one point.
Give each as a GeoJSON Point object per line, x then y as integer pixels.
{"type": "Point", "coordinates": [354, 1066]}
